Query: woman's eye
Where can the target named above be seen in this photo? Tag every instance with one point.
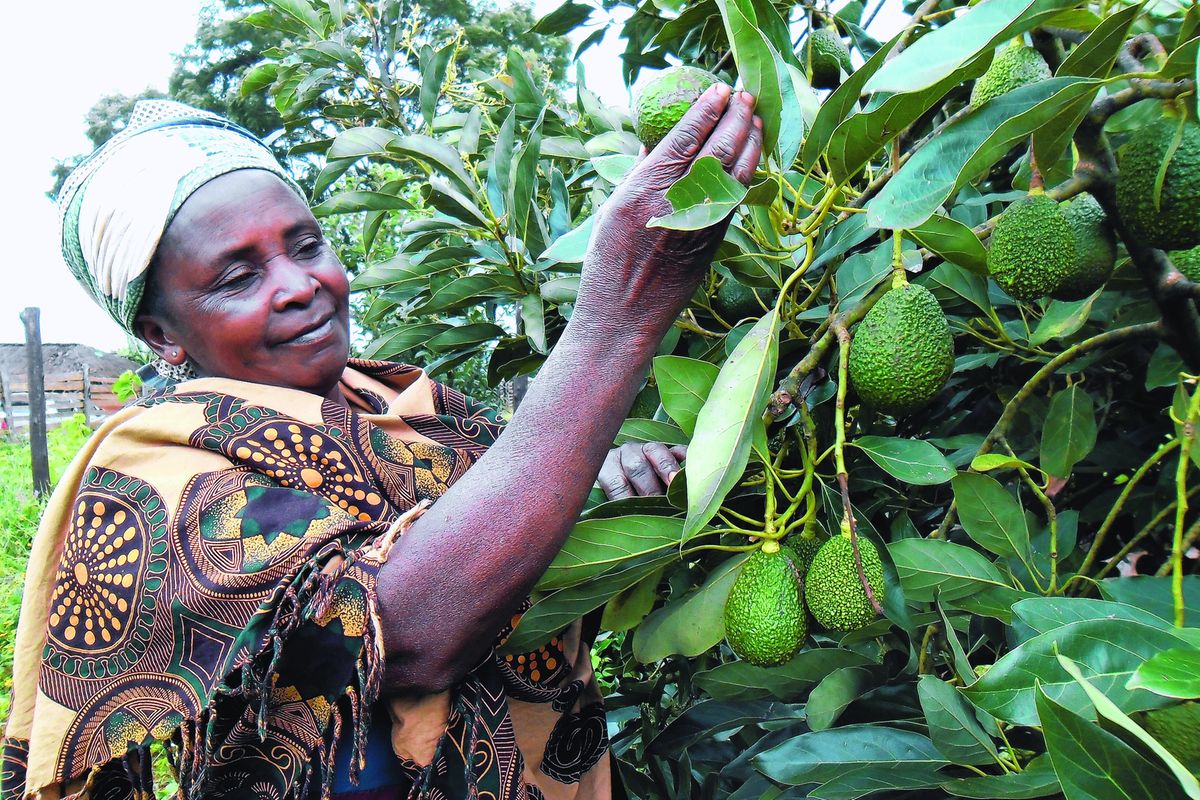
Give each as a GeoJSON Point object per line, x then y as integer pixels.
{"type": "Point", "coordinates": [311, 246]}
{"type": "Point", "coordinates": [237, 279]}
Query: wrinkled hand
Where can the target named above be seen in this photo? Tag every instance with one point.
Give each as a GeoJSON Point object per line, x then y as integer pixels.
{"type": "Point", "coordinates": [634, 275]}
{"type": "Point", "coordinates": [636, 469]}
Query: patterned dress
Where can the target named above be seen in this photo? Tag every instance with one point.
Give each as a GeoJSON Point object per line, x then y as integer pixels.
{"type": "Point", "coordinates": [205, 577]}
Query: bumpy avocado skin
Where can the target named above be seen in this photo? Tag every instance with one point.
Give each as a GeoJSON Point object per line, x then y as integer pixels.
{"type": "Point", "coordinates": [830, 57]}
{"type": "Point", "coordinates": [735, 301]}
{"type": "Point", "coordinates": [1095, 249]}
{"type": "Point", "coordinates": [1187, 262]}
{"type": "Point", "coordinates": [1172, 224]}
{"type": "Point", "coordinates": [1032, 248]}
{"type": "Point", "coordinates": [1177, 728]}
{"type": "Point", "coordinates": [764, 614]}
{"type": "Point", "coordinates": [1013, 67]}
{"type": "Point", "coordinates": [664, 101]}
{"type": "Point", "coordinates": [902, 352]}
{"type": "Point", "coordinates": [832, 590]}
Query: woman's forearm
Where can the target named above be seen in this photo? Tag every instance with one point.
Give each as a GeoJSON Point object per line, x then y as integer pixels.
{"type": "Point", "coordinates": [460, 572]}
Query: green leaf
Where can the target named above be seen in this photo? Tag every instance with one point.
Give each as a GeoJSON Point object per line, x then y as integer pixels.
{"type": "Point", "coordinates": [303, 12]}
{"type": "Point", "coordinates": [912, 461]}
{"type": "Point", "coordinates": [565, 18]}
{"type": "Point", "coordinates": [967, 147]}
{"type": "Point", "coordinates": [433, 74]}
{"type": "Point", "coordinates": [571, 247]}
{"type": "Point", "coordinates": [720, 449]}
{"type": "Point", "coordinates": [1092, 763]}
{"type": "Point", "coordinates": [626, 609]}
{"type": "Point", "coordinates": [442, 157]}
{"type": "Point", "coordinates": [1062, 319]}
{"type": "Point", "coordinates": [498, 165]}
{"type": "Point", "coordinates": [692, 624]}
{"type": "Point", "coordinates": [350, 146]}
{"type": "Point", "coordinates": [953, 241]}
{"type": "Point", "coordinates": [1036, 780]}
{"type": "Point", "coordinates": [990, 461]}
{"type": "Point", "coordinates": [353, 202]}
{"type": "Point", "coordinates": [259, 78]}
{"type": "Point", "coordinates": [560, 290]}
{"type": "Point", "coordinates": [839, 105]}
{"type": "Point", "coordinates": [613, 168]}
{"type": "Point", "coordinates": [834, 754]}
{"type": "Point", "coordinates": [1052, 139]}
{"type": "Point", "coordinates": [460, 293]}
{"type": "Point", "coordinates": [450, 201]}
{"type": "Point", "coordinates": [1153, 594]}
{"type": "Point", "coordinates": [1070, 431]}
{"type": "Point", "coordinates": [471, 335]}
{"type": "Point", "coordinates": [533, 318]}
{"type": "Point", "coordinates": [1171, 673]}
{"type": "Point", "coordinates": [944, 50]}
{"type": "Point", "coordinates": [1118, 722]}
{"type": "Point", "coordinates": [836, 691]}
{"type": "Point", "coordinates": [707, 719]}
{"type": "Point", "coordinates": [929, 567]}
{"type": "Point", "coordinates": [970, 286]}
{"type": "Point", "coordinates": [651, 430]}
{"type": "Point", "coordinates": [523, 185]}
{"type": "Point", "coordinates": [1039, 615]}
{"type": "Point", "coordinates": [953, 726]}
{"type": "Point", "coordinates": [703, 197]}
{"type": "Point", "coordinates": [756, 65]}
{"type": "Point", "coordinates": [683, 386]}
{"type": "Point", "coordinates": [1109, 650]}
{"type": "Point", "coordinates": [741, 680]}
{"type": "Point", "coordinates": [598, 546]}
{"type": "Point", "coordinates": [990, 515]}
{"type": "Point", "coordinates": [403, 340]}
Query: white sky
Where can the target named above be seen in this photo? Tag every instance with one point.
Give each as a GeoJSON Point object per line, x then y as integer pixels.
{"type": "Point", "coordinates": [61, 64]}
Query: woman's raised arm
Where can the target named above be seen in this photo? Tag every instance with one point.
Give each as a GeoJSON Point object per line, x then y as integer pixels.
{"type": "Point", "coordinates": [461, 571]}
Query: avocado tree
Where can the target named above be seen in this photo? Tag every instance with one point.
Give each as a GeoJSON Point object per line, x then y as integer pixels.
{"type": "Point", "coordinates": [936, 528]}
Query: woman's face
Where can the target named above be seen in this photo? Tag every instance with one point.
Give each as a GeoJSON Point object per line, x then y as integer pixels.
{"type": "Point", "coordinates": [249, 288]}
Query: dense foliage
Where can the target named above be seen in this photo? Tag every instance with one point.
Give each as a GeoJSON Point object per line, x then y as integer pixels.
{"type": "Point", "coordinates": [1032, 520]}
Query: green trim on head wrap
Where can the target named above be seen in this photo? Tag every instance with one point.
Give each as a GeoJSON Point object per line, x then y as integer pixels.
{"type": "Point", "coordinates": [115, 206]}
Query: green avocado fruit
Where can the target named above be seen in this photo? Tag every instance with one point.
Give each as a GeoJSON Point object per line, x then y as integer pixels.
{"type": "Point", "coordinates": [1187, 262]}
{"type": "Point", "coordinates": [735, 301]}
{"type": "Point", "coordinates": [1013, 67]}
{"type": "Point", "coordinates": [902, 352]}
{"type": "Point", "coordinates": [764, 613]}
{"type": "Point", "coordinates": [1176, 728]}
{"type": "Point", "coordinates": [1032, 250]}
{"type": "Point", "coordinates": [832, 590]}
{"type": "Point", "coordinates": [829, 58]}
{"type": "Point", "coordinates": [665, 99]}
{"type": "Point", "coordinates": [1095, 249]}
{"type": "Point", "coordinates": [1161, 216]}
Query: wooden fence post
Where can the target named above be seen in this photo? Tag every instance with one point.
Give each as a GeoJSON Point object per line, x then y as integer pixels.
{"type": "Point", "coordinates": [6, 398]}
{"type": "Point", "coordinates": [37, 400]}
{"type": "Point", "coordinates": [87, 395]}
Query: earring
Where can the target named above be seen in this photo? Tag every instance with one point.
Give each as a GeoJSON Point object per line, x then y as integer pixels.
{"type": "Point", "coordinates": [175, 373]}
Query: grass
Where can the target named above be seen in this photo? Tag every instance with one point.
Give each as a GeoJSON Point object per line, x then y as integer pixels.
{"type": "Point", "coordinates": [20, 510]}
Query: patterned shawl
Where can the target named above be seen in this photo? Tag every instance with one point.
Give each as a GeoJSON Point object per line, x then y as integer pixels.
{"type": "Point", "coordinates": [204, 576]}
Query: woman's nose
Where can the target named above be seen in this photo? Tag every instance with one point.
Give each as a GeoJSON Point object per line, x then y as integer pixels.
{"type": "Point", "coordinates": [296, 285]}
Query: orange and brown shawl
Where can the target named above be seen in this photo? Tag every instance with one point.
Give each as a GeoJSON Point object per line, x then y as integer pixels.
{"type": "Point", "coordinates": [205, 576]}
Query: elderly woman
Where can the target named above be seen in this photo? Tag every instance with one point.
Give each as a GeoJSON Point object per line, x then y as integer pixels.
{"type": "Point", "coordinates": [248, 566]}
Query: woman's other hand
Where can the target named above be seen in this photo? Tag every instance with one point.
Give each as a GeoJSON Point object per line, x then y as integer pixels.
{"type": "Point", "coordinates": [637, 279]}
{"type": "Point", "coordinates": [636, 469]}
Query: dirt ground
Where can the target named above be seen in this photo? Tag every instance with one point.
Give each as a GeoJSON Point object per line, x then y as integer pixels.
{"type": "Point", "coordinates": [61, 358]}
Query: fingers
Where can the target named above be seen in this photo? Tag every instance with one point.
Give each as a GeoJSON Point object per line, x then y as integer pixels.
{"type": "Point", "coordinates": [751, 154]}
{"type": "Point", "coordinates": [690, 133]}
{"type": "Point", "coordinates": [663, 460]}
{"type": "Point", "coordinates": [612, 478]}
{"type": "Point", "coordinates": [679, 451]}
{"type": "Point", "coordinates": [729, 138]}
{"type": "Point", "coordinates": [639, 470]}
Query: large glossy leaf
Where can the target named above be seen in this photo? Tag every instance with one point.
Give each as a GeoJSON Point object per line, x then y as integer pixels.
{"type": "Point", "coordinates": [404, 339]}
{"type": "Point", "coordinates": [565, 18]}
{"type": "Point", "coordinates": [650, 430]}
{"type": "Point", "coordinates": [349, 146]}
{"type": "Point", "coordinates": [683, 386]}
{"type": "Point", "coordinates": [1092, 763]}
{"type": "Point", "coordinates": [708, 718]}
{"type": "Point", "coordinates": [498, 165]}
{"type": "Point", "coordinates": [627, 608]}
{"type": "Point", "coordinates": [1154, 595]}
{"type": "Point", "coordinates": [703, 197]}
{"type": "Point", "coordinates": [354, 202]}
{"type": "Point", "coordinates": [1070, 431]}
{"type": "Point", "coordinates": [442, 157]}
{"type": "Point", "coordinates": [944, 50]}
{"type": "Point", "coordinates": [725, 425]}
{"type": "Point", "coordinates": [756, 65]}
{"type": "Point", "coordinates": [446, 198]}
{"type": "Point", "coordinates": [464, 336]}
{"type": "Point", "coordinates": [740, 680]}
{"type": "Point", "coordinates": [839, 105]}
{"type": "Point", "coordinates": [433, 72]}
{"type": "Point", "coordinates": [461, 293]}
{"type": "Point", "coordinates": [595, 547]}
{"type": "Point", "coordinates": [967, 147]}
{"type": "Point", "coordinates": [990, 515]}
{"type": "Point", "coordinates": [953, 241]}
{"type": "Point", "coordinates": [1118, 722]}
{"type": "Point", "coordinates": [837, 691]}
{"type": "Point", "coordinates": [1062, 318]}
{"type": "Point", "coordinates": [913, 461]}
{"type": "Point", "coordinates": [533, 320]}
{"type": "Point", "coordinates": [524, 182]}
{"type": "Point", "coordinates": [970, 286]}
{"type": "Point", "coordinates": [1108, 651]}
{"type": "Point", "coordinates": [833, 754]}
{"type": "Point", "coordinates": [1094, 56]}
{"type": "Point", "coordinates": [1036, 780]}
{"type": "Point", "coordinates": [571, 247]}
{"type": "Point", "coordinates": [932, 566]}
{"type": "Point", "coordinates": [1039, 615]}
{"type": "Point", "coordinates": [303, 12]}
{"type": "Point", "coordinates": [693, 623]}
{"type": "Point", "coordinates": [953, 726]}
{"type": "Point", "coordinates": [1171, 673]}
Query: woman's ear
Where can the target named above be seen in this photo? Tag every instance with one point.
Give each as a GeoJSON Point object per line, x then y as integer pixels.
{"type": "Point", "coordinates": [160, 340]}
